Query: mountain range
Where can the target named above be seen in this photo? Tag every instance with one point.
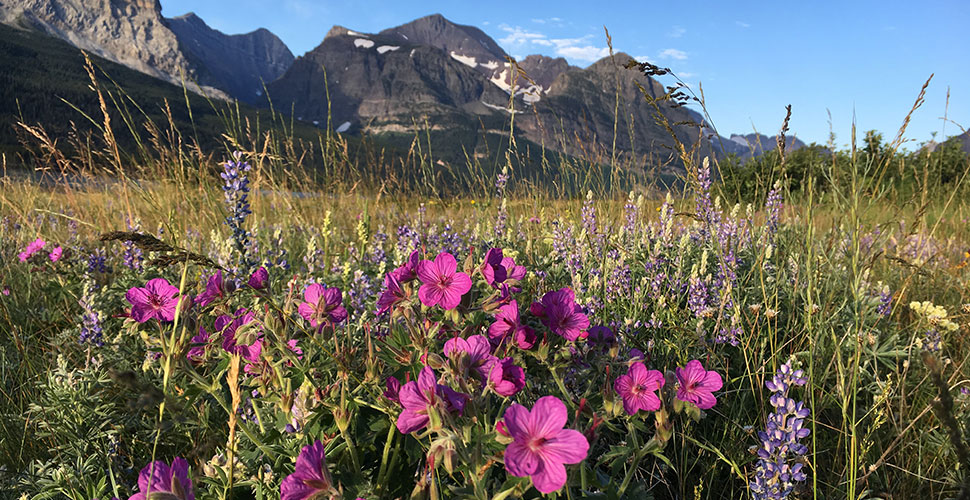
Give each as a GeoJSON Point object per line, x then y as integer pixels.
{"type": "Point", "coordinates": [450, 81]}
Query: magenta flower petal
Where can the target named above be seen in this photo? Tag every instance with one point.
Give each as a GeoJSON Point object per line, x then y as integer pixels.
{"type": "Point", "coordinates": [696, 385]}
{"type": "Point", "coordinates": [541, 445]}
{"type": "Point", "coordinates": [310, 477]}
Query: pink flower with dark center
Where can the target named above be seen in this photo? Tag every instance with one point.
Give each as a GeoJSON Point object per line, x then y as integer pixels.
{"type": "Point", "coordinates": [311, 479]}
{"type": "Point", "coordinates": [55, 254]}
{"type": "Point", "coordinates": [541, 445]}
{"type": "Point", "coordinates": [409, 270]}
{"type": "Point", "coordinates": [322, 305]}
{"type": "Point", "coordinates": [392, 295]}
{"type": "Point", "coordinates": [32, 248]}
{"type": "Point", "coordinates": [418, 397]}
{"type": "Point", "coordinates": [560, 313]}
{"type": "Point", "coordinates": [507, 324]}
{"type": "Point", "coordinates": [259, 279]}
{"type": "Point", "coordinates": [498, 269]}
{"type": "Point", "coordinates": [216, 288]}
{"type": "Point", "coordinates": [248, 344]}
{"type": "Point", "coordinates": [638, 388]}
{"type": "Point", "coordinates": [196, 353]}
{"type": "Point", "coordinates": [696, 385]}
{"type": "Point", "coordinates": [505, 376]}
{"type": "Point", "coordinates": [157, 481]}
{"type": "Point", "coordinates": [477, 348]}
{"type": "Point", "coordinates": [441, 284]}
{"type": "Point", "coordinates": [157, 299]}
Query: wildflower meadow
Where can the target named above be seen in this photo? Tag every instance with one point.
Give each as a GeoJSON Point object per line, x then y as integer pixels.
{"type": "Point", "coordinates": [235, 324]}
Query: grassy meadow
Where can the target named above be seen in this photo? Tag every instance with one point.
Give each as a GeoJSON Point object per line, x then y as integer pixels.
{"type": "Point", "coordinates": [790, 327]}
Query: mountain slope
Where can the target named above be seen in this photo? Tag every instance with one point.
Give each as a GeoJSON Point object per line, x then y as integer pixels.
{"type": "Point", "coordinates": [238, 64]}
{"type": "Point", "coordinates": [134, 33]}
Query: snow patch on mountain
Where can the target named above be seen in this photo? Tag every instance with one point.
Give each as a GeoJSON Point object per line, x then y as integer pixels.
{"type": "Point", "coordinates": [363, 42]}
{"type": "Point", "coordinates": [466, 60]}
{"type": "Point", "coordinates": [387, 48]}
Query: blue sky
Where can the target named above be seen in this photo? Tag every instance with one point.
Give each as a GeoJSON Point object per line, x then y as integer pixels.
{"type": "Point", "coordinates": [866, 58]}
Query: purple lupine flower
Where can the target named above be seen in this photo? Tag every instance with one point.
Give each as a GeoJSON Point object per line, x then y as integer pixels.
{"type": "Point", "coordinates": [773, 208]}
{"type": "Point", "coordinates": [507, 325]}
{"type": "Point", "coordinates": [638, 388]}
{"type": "Point", "coordinates": [157, 299]}
{"type": "Point", "coordinates": [91, 330]}
{"type": "Point", "coordinates": [310, 479]}
{"type": "Point", "coordinates": [236, 190]}
{"type": "Point", "coordinates": [560, 313]}
{"type": "Point", "coordinates": [132, 258]}
{"type": "Point", "coordinates": [775, 473]}
{"type": "Point", "coordinates": [418, 397]}
{"type": "Point", "coordinates": [505, 376]}
{"type": "Point", "coordinates": [442, 285]}
{"type": "Point", "coordinates": [322, 305]}
{"type": "Point", "coordinates": [541, 446]}
{"type": "Point", "coordinates": [158, 480]}
{"type": "Point", "coordinates": [697, 385]}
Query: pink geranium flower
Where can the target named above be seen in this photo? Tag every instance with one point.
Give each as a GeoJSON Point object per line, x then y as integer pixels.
{"type": "Point", "coordinates": [32, 248]}
{"type": "Point", "coordinates": [559, 311]}
{"type": "Point", "coordinates": [392, 295]}
{"type": "Point", "coordinates": [322, 304]}
{"type": "Point", "coordinates": [56, 254]}
{"type": "Point", "coordinates": [249, 347]}
{"type": "Point", "coordinates": [541, 445]}
{"type": "Point", "coordinates": [638, 388]}
{"type": "Point", "coordinates": [259, 279]}
{"type": "Point", "coordinates": [477, 348]}
{"type": "Point", "coordinates": [507, 324]}
{"type": "Point", "coordinates": [498, 269]}
{"type": "Point", "coordinates": [696, 385]}
{"type": "Point", "coordinates": [441, 284]}
{"type": "Point", "coordinates": [157, 299]}
{"type": "Point", "coordinates": [216, 288]}
{"type": "Point", "coordinates": [506, 377]}
{"type": "Point", "coordinates": [196, 353]}
{"type": "Point", "coordinates": [158, 480]}
{"type": "Point", "coordinates": [409, 270]}
{"type": "Point", "coordinates": [311, 479]}
{"type": "Point", "coordinates": [419, 397]}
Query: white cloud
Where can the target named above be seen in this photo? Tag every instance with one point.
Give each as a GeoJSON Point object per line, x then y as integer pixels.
{"type": "Point", "coordinates": [583, 53]}
{"type": "Point", "coordinates": [520, 39]}
{"type": "Point", "coordinates": [742, 24]}
{"type": "Point", "coordinates": [686, 74]}
{"type": "Point", "coordinates": [539, 21]}
{"type": "Point", "coordinates": [676, 32]}
{"type": "Point", "coordinates": [555, 19]}
{"type": "Point", "coordinates": [679, 55]}
{"type": "Point", "coordinates": [521, 36]}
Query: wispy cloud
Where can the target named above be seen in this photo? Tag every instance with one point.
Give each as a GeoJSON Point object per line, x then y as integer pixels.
{"type": "Point", "coordinates": [676, 32]}
{"type": "Point", "coordinates": [539, 21]}
{"type": "Point", "coordinates": [679, 55]}
{"type": "Point", "coordinates": [742, 24]}
{"type": "Point", "coordinates": [520, 39]}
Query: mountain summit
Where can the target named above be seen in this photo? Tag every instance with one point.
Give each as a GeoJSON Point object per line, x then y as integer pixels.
{"type": "Point", "coordinates": [134, 33]}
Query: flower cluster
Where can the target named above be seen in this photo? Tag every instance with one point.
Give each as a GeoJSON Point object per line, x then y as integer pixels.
{"type": "Point", "coordinates": [236, 192]}
{"type": "Point", "coordinates": [778, 467]}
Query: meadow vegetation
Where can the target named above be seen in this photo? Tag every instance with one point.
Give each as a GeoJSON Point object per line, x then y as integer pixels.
{"type": "Point", "coordinates": [281, 316]}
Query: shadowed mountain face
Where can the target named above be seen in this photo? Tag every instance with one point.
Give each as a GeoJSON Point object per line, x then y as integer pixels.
{"type": "Point", "coordinates": [237, 64]}
{"type": "Point", "coordinates": [134, 33]}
